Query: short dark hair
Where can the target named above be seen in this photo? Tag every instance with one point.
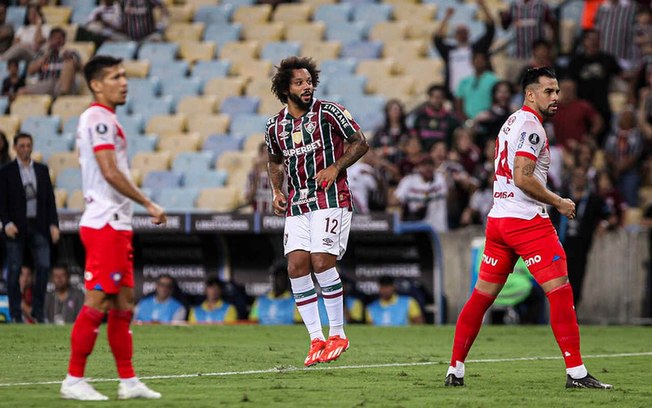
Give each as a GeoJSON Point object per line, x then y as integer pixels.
{"type": "Point", "coordinates": [532, 76]}
{"type": "Point", "coordinates": [436, 87]}
{"type": "Point", "coordinates": [541, 42]}
{"type": "Point", "coordinates": [283, 75]}
{"type": "Point", "coordinates": [13, 61]}
{"type": "Point", "coordinates": [94, 68]}
{"type": "Point", "coordinates": [56, 30]}
{"type": "Point", "coordinates": [386, 280]}
{"type": "Point", "coordinates": [22, 135]}
{"type": "Point", "coordinates": [62, 266]}
{"type": "Point", "coordinates": [214, 281]}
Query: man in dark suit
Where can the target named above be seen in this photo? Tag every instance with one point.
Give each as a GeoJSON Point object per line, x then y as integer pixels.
{"type": "Point", "coordinates": [29, 218]}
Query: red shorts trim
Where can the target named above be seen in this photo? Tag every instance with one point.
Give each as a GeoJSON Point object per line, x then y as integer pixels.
{"type": "Point", "coordinates": [533, 240]}
{"type": "Point", "coordinates": [109, 259]}
{"type": "Point", "coordinates": [103, 147]}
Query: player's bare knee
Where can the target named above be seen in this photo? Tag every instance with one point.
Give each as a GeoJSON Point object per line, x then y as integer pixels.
{"type": "Point", "coordinates": [322, 262]}
{"type": "Point", "coordinates": [490, 288]}
{"type": "Point", "coordinates": [97, 300]}
{"type": "Point", "coordinates": [554, 283]}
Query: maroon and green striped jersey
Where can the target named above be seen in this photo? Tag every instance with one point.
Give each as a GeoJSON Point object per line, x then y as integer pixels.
{"type": "Point", "coordinates": [309, 144]}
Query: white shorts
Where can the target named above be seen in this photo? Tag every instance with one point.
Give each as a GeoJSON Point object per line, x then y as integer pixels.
{"type": "Point", "coordinates": [325, 231]}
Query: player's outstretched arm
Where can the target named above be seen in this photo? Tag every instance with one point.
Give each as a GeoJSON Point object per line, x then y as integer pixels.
{"type": "Point", "coordinates": [108, 166]}
{"type": "Point", "coordinates": [276, 173]}
{"type": "Point", "coordinates": [530, 185]}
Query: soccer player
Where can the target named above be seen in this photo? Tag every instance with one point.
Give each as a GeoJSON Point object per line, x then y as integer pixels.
{"type": "Point", "coordinates": [305, 141]}
{"type": "Point", "coordinates": [106, 232]}
{"type": "Point", "coordinates": [519, 225]}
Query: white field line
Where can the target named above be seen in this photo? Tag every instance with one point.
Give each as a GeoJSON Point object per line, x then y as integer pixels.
{"type": "Point", "coordinates": [323, 368]}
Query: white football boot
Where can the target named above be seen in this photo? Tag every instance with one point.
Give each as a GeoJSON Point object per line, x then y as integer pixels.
{"type": "Point", "coordinates": [138, 390]}
{"type": "Point", "coordinates": [81, 391]}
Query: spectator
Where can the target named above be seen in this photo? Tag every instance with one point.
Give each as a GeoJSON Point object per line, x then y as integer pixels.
{"type": "Point", "coordinates": [214, 309]}
{"type": "Point", "coordinates": [4, 149]}
{"type": "Point", "coordinates": [64, 303]}
{"type": "Point", "coordinates": [433, 121]}
{"type": "Point", "coordinates": [458, 58]}
{"type": "Point", "coordinates": [615, 21]}
{"type": "Point", "coordinates": [56, 67]}
{"type": "Point", "coordinates": [480, 202]}
{"type": "Point", "coordinates": [13, 82]}
{"type": "Point", "coordinates": [29, 216]}
{"type": "Point", "coordinates": [161, 306]}
{"type": "Point", "coordinates": [592, 70]}
{"type": "Point", "coordinates": [644, 110]}
{"type": "Point", "coordinates": [138, 17]}
{"type": "Point", "coordinates": [465, 150]}
{"type": "Point", "coordinates": [6, 29]}
{"type": "Point", "coordinates": [29, 37]}
{"type": "Point", "coordinates": [258, 189]}
{"type": "Point", "coordinates": [576, 120]}
{"type": "Point", "coordinates": [473, 94]}
{"type": "Point", "coordinates": [487, 123]}
{"type": "Point", "coordinates": [392, 309]}
{"type": "Point", "coordinates": [277, 306]}
{"type": "Point", "coordinates": [624, 148]}
{"type": "Point", "coordinates": [542, 56]}
{"type": "Point", "coordinates": [106, 21]}
{"type": "Point", "coordinates": [422, 196]}
{"type": "Point", "coordinates": [614, 203]}
{"type": "Point", "coordinates": [389, 136]}
{"type": "Point", "coordinates": [412, 153]}
{"type": "Point", "coordinates": [26, 283]}
{"type": "Point", "coordinates": [364, 181]}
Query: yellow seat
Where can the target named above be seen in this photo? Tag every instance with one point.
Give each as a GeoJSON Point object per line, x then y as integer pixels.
{"type": "Point", "coordinates": [224, 87]}
{"type": "Point", "coordinates": [206, 125]}
{"type": "Point", "coordinates": [305, 32]}
{"type": "Point", "coordinates": [62, 160]}
{"type": "Point", "coordinates": [249, 69]}
{"type": "Point", "coordinates": [9, 124]}
{"type": "Point", "coordinates": [258, 87]}
{"type": "Point", "coordinates": [232, 161]}
{"type": "Point", "coordinates": [263, 32]}
{"type": "Point", "coordinates": [269, 105]}
{"type": "Point", "coordinates": [76, 201]}
{"type": "Point", "coordinates": [389, 31]}
{"type": "Point", "coordinates": [218, 199]}
{"type": "Point", "coordinates": [136, 68]}
{"type": "Point", "coordinates": [60, 195]}
{"type": "Point", "coordinates": [184, 32]}
{"type": "Point", "coordinates": [180, 13]}
{"type": "Point", "coordinates": [166, 124]}
{"type": "Point", "coordinates": [148, 161]}
{"type": "Point", "coordinates": [422, 30]}
{"type": "Point", "coordinates": [56, 15]}
{"type": "Point", "coordinates": [253, 141]}
{"type": "Point", "coordinates": [86, 49]}
{"type": "Point", "coordinates": [251, 15]}
{"type": "Point", "coordinates": [317, 3]}
{"type": "Point", "coordinates": [375, 70]}
{"type": "Point", "coordinates": [68, 106]}
{"type": "Point", "coordinates": [30, 105]}
{"type": "Point", "coordinates": [293, 13]}
{"type": "Point", "coordinates": [197, 105]}
{"type": "Point", "coordinates": [70, 29]}
{"type": "Point", "coordinates": [406, 50]}
{"type": "Point", "coordinates": [175, 144]}
{"type": "Point", "coordinates": [193, 51]}
{"type": "Point", "coordinates": [321, 51]}
{"type": "Point", "coordinates": [633, 216]}
{"type": "Point", "coordinates": [399, 87]}
{"type": "Point", "coordinates": [198, 3]}
{"type": "Point", "coordinates": [240, 50]}
{"type": "Point", "coordinates": [425, 71]}
{"type": "Point", "coordinates": [413, 10]}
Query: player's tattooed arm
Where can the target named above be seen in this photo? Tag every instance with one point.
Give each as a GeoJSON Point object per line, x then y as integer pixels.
{"type": "Point", "coordinates": [358, 146]}
{"type": "Point", "coordinates": [525, 180]}
{"type": "Point", "coordinates": [276, 172]}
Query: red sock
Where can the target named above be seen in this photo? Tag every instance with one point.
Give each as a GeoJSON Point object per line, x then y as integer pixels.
{"type": "Point", "coordinates": [469, 323]}
{"type": "Point", "coordinates": [121, 342]}
{"type": "Point", "coordinates": [564, 324]}
{"type": "Point", "coordinates": [82, 339]}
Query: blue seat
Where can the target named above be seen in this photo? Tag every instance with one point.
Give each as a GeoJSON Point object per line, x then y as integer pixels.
{"type": "Point", "coordinates": [170, 69]}
{"type": "Point", "coordinates": [147, 107]}
{"type": "Point", "coordinates": [80, 14]}
{"type": "Point", "coordinates": [246, 124]}
{"type": "Point", "coordinates": [372, 13]}
{"type": "Point", "coordinates": [362, 50]}
{"type": "Point", "coordinates": [144, 143]}
{"type": "Point", "coordinates": [206, 179]}
{"type": "Point", "coordinates": [370, 120]}
{"type": "Point", "coordinates": [238, 105]}
{"type": "Point", "coordinates": [144, 87]}
{"type": "Point", "coordinates": [132, 125]}
{"type": "Point", "coordinates": [357, 103]}
{"type": "Point", "coordinates": [157, 180]}
{"type": "Point", "coordinates": [122, 49]}
{"type": "Point", "coordinates": [179, 199]}
{"type": "Point", "coordinates": [158, 52]}
{"type": "Point", "coordinates": [70, 126]}
{"type": "Point", "coordinates": [277, 50]}
{"type": "Point", "coordinates": [214, 14]}
{"type": "Point", "coordinates": [347, 32]}
{"type": "Point", "coordinates": [192, 162]}
{"type": "Point", "coordinates": [69, 179]}
{"type": "Point", "coordinates": [217, 144]}
{"type": "Point", "coordinates": [177, 88]}
{"type": "Point", "coordinates": [16, 16]}
{"type": "Point", "coordinates": [50, 144]}
{"type": "Point", "coordinates": [333, 13]}
{"type": "Point", "coordinates": [39, 126]}
{"type": "Point", "coordinates": [222, 33]}
{"type": "Point", "coordinates": [4, 103]}
{"type": "Point", "coordinates": [338, 67]}
{"type": "Point", "coordinates": [345, 85]}
{"type": "Point", "coordinates": [206, 70]}
{"type": "Point", "coordinates": [238, 3]}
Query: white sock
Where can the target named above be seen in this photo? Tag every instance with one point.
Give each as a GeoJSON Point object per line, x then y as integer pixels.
{"type": "Point", "coordinates": [577, 372]}
{"type": "Point", "coordinates": [306, 299]}
{"type": "Point", "coordinates": [72, 380]}
{"type": "Point", "coordinates": [331, 291]}
{"type": "Point", "coordinates": [129, 382]}
{"type": "Point", "coordinates": [457, 371]}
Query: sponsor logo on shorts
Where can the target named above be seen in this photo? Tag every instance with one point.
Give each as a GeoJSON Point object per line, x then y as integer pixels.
{"type": "Point", "coordinates": [116, 277]}
{"type": "Point", "coordinates": [533, 260]}
{"type": "Point", "coordinates": [489, 260]}
{"type": "Point", "coordinates": [327, 242]}
{"type": "Point", "coordinates": [503, 194]}
{"type": "Point", "coordinates": [88, 275]}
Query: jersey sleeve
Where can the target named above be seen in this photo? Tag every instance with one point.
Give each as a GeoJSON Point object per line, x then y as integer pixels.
{"type": "Point", "coordinates": [270, 138]}
{"type": "Point", "coordinates": [530, 141]}
{"type": "Point", "coordinates": [102, 132]}
{"type": "Point", "coordinates": [340, 119]}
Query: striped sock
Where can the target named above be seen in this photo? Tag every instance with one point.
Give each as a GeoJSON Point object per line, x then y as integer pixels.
{"type": "Point", "coordinates": [331, 291]}
{"type": "Point", "coordinates": [306, 299]}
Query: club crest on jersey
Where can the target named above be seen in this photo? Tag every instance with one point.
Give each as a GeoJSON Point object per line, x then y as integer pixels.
{"type": "Point", "coordinates": [297, 137]}
{"type": "Point", "coordinates": [101, 128]}
{"type": "Point", "coordinates": [534, 138]}
{"type": "Point", "coordinates": [310, 127]}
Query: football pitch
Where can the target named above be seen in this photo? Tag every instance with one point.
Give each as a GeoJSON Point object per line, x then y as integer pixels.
{"type": "Point", "coordinates": [257, 366]}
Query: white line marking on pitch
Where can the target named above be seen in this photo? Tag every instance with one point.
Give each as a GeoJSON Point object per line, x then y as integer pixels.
{"type": "Point", "coordinates": [350, 367]}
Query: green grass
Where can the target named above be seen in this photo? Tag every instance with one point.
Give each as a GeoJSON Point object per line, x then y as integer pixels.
{"type": "Point", "coordinates": [40, 353]}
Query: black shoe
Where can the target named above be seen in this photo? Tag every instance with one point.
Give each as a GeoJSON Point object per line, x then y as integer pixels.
{"type": "Point", "coordinates": [587, 382]}
{"type": "Point", "coordinates": [452, 381]}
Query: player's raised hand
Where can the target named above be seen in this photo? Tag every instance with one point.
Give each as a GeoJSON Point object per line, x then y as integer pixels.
{"type": "Point", "coordinates": [326, 177]}
{"type": "Point", "coordinates": [566, 207]}
{"type": "Point", "coordinates": [279, 203]}
{"type": "Point", "coordinates": [157, 212]}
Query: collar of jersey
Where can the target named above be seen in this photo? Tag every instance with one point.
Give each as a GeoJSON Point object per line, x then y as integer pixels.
{"type": "Point", "coordinates": [528, 109]}
{"type": "Point", "coordinates": [103, 106]}
{"type": "Point", "coordinates": [288, 115]}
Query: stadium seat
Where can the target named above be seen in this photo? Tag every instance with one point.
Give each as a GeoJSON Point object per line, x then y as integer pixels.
{"type": "Point", "coordinates": [180, 87]}
{"type": "Point", "coordinates": [269, 105]}
{"type": "Point", "coordinates": [218, 199]}
{"type": "Point", "coordinates": [176, 32]}
{"type": "Point", "coordinates": [238, 164]}
{"type": "Point", "coordinates": [215, 15]}
{"type": "Point", "coordinates": [252, 14]}
{"type": "Point", "coordinates": [250, 69]}
{"type": "Point", "coordinates": [179, 143]}
{"type": "Point", "coordinates": [56, 15]}
{"type": "Point", "coordinates": [123, 49]}
{"type": "Point", "coordinates": [321, 51]}
{"type": "Point", "coordinates": [399, 87]}
{"type": "Point", "coordinates": [30, 105]}
{"type": "Point", "coordinates": [158, 53]}
{"type": "Point", "coordinates": [238, 105]}
{"type": "Point", "coordinates": [166, 124]}
{"type": "Point", "coordinates": [142, 143]}
{"type": "Point", "coordinates": [389, 31]}
{"type": "Point", "coordinates": [277, 50]}
{"type": "Point", "coordinates": [192, 162]}
{"type": "Point", "coordinates": [217, 144]}
{"type": "Point", "coordinates": [338, 67]}
{"type": "Point", "coordinates": [233, 51]}
{"type": "Point", "coordinates": [258, 87]}
{"type": "Point", "coordinates": [41, 125]}
{"type": "Point", "coordinates": [222, 34]}
{"type": "Point", "coordinates": [170, 70]}
{"type": "Point", "coordinates": [374, 67]}
{"type": "Point", "coordinates": [50, 144]}
{"type": "Point", "coordinates": [156, 180]}
{"type": "Point", "coordinates": [305, 32]}
{"type": "Point", "coordinates": [206, 125]}
{"type": "Point", "coordinates": [150, 161]}
{"type": "Point", "coordinates": [224, 87]}
{"type": "Point", "coordinates": [69, 179]}
{"type": "Point", "coordinates": [81, 12]}
{"type": "Point", "coordinates": [206, 179]}
{"type": "Point", "coordinates": [347, 85]}
{"type": "Point", "coordinates": [132, 125]}
{"type": "Point", "coordinates": [149, 107]}
{"type": "Point", "coordinates": [180, 199]}
{"type": "Point", "coordinates": [372, 13]}
{"type": "Point", "coordinates": [264, 32]}
{"type": "Point", "coordinates": [200, 3]}
{"type": "Point", "coordinates": [197, 105]}
{"type": "Point", "coordinates": [145, 88]}
{"type": "Point", "coordinates": [180, 13]}
{"type": "Point", "coordinates": [414, 11]}
{"type": "Point", "coordinates": [425, 72]}
{"type": "Point", "coordinates": [9, 124]}
{"type": "Point", "coordinates": [60, 196]}
{"type": "Point", "coordinates": [4, 104]}
{"type": "Point", "coordinates": [247, 124]}
{"type": "Point", "coordinates": [333, 13]}
{"type": "Point", "coordinates": [206, 70]}
{"type": "Point", "coordinates": [253, 141]}
{"type": "Point", "coordinates": [75, 200]}
{"type": "Point", "coordinates": [85, 49]}
{"type": "Point", "coordinates": [239, 3]}
{"type": "Point", "coordinates": [70, 125]}
{"type": "Point", "coordinates": [361, 50]}
{"type": "Point", "coordinates": [68, 106]}
{"type": "Point", "coordinates": [292, 13]}
{"type": "Point", "coordinates": [406, 50]}
{"type": "Point", "coordinates": [15, 16]}
{"type": "Point", "coordinates": [193, 51]}
{"type": "Point", "coordinates": [62, 160]}
{"type": "Point", "coordinates": [347, 32]}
